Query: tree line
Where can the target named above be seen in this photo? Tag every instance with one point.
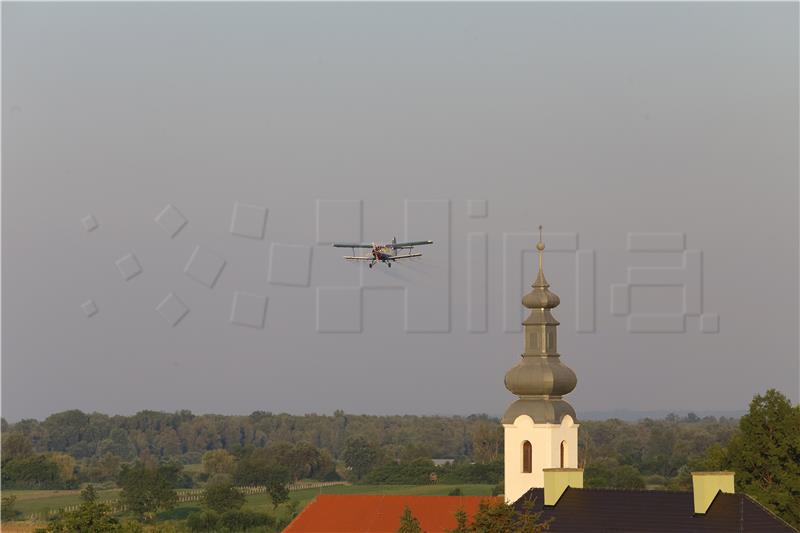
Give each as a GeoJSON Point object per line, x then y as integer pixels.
{"type": "Point", "coordinates": [183, 434]}
{"type": "Point", "coordinates": [72, 447]}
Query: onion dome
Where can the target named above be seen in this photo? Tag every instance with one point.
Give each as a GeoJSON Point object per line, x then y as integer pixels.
{"type": "Point", "coordinates": [540, 379]}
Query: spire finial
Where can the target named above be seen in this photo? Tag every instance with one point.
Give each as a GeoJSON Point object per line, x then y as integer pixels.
{"type": "Point", "coordinates": [540, 281]}
{"type": "Point", "coordinates": [540, 247]}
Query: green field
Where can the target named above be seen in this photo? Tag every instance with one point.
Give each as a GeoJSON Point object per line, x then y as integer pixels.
{"type": "Point", "coordinates": [38, 501]}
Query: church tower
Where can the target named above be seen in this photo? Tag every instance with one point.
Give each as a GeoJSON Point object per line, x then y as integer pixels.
{"type": "Point", "coordinates": [540, 427]}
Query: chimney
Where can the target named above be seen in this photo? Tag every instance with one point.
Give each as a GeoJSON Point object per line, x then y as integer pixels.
{"type": "Point", "coordinates": [706, 485]}
{"type": "Point", "coordinates": [556, 481]}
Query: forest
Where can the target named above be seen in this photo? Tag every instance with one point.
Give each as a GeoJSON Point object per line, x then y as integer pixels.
{"type": "Point", "coordinates": [72, 448]}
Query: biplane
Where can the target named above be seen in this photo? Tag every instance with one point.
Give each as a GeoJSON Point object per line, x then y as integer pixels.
{"type": "Point", "coordinates": [382, 253]}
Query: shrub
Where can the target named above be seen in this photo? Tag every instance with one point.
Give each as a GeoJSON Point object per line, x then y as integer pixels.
{"type": "Point", "coordinates": [203, 521]}
{"type": "Point", "coordinates": [7, 510]}
{"type": "Point", "coordinates": [333, 475]}
{"type": "Point", "coordinates": [31, 472]}
{"type": "Point", "coordinates": [609, 474]}
{"type": "Point", "coordinates": [244, 520]}
{"type": "Point", "coordinates": [472, 473]}
{"type": "Point", "coordinates": [498, 489]}
{"type": "Point", "coordinates": [221, 496]}
{"type": "Point", "coordinates": [414, 473]}
{"type": "Point", "coordinates": [655, 479]}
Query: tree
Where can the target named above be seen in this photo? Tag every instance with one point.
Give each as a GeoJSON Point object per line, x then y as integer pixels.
{"type": "Point", "coordinates": [16, 446]}
{"type": "Point", "coordinates": [417, 472]}
{"type": "Point", "coordinates": [88, 494]}
{"type": "Point", "coordinates": [360, 456]}
{"type": "Point", "coordinates": [167, 443]}
{"type": "Point", "coordinates": [303, 460]}
{"type": "Point", "coordinates": [409, 523]}
{"type": "Point", "coordinates": [203, 521]}
{"type": "Point", "coordinates": [117, 443]}
{"type": "Point", "coordinates": [108, 466]}
{"type": "Point", "coordinates": [412, 452]}
{"type": "Point", "coordinates": [31, 472]}
{"type": "Point", "coordinates": [325, 469]}
{"type": "Point", "coordinates": [292, 509]}
{"type": "Point", "coordinates": [229, 521]}
{"type": "Point", "coordinates": [277, 485]}
{"type": "Point", "coordinates": [461, 523]}
{"type": "Point", "coordinates": [7, 508]}
{"type": "Point", "coordinates": [147, 490]}
{"type": "Point", "coordinates": [90, 517]}
{"type": "Point", "coordinates": [628, 477]}
{"type": "Point", "coordinates": [256, 468]}
{"type": "Point", "coordinates": [493, 517]}
{"type": "Point", "coordinates": [497, 517]}
{"type": "Point", "coordinates": [66, 466]}
{"type": "Point", "coordinates": [222, 496]}
{"type": "Point", "coordinates": [765, 454]}
{"type": "Point", "coordinates": [246, 520]}
{"type": "Point", "coordinates": [218, 462]}
{"type": "Point", "coordinates": [487, 440]}
{"type": "Point", "coordinates": [607, 473]}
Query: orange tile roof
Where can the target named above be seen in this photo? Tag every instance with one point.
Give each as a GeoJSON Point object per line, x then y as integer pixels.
{"type": "Point", "coordinates": [362, 513]}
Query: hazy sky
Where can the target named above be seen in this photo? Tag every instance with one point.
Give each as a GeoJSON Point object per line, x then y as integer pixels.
{"type": "Point", "coordinates": [619, 127]}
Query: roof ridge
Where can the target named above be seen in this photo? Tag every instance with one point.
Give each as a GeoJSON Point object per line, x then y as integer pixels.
{"type": "Point", "coordinates": [764, 507]}
{"type": "Point", "coordinates": [614, 489]}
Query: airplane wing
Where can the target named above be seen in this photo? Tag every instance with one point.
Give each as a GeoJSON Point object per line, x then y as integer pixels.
{"type": "Point", "coordinates": [410, 244]}
{"type": "Point", "coordinates": [350, 245]}
{"type": "Point", "coordinates": [359, 257]}
{"type": "Point", "coordinates": [406, 256]}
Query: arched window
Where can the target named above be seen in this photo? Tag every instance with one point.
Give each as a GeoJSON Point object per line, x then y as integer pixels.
{"type": "Point", "coordinates": [527, 457]}
{"type": "Point", "coordinates": [563, 453]}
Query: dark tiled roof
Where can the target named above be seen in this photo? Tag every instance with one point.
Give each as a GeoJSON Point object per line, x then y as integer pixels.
{"type": "Point", "coordinates": [640, 511]}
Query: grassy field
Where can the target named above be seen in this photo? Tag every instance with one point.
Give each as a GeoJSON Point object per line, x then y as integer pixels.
{"type": "Point", "coordinates": [38, 501]}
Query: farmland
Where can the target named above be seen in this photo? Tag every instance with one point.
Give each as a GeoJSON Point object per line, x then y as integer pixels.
{"type": "Point", "coordinates": [40, 501]}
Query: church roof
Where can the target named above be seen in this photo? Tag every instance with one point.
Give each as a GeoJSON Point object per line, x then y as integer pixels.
{"type": "Point", "coordinates": [361, 513]}
{"type": "Point", "coordinates": [540, 379]}
{"type": "Point", "coordinates": [644, 511]}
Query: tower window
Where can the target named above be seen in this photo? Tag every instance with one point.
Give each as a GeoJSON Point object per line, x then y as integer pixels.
{"type": "Point", "coordinates": [527, 457]}
{"type": "Point", "coordinates": [563, 453]}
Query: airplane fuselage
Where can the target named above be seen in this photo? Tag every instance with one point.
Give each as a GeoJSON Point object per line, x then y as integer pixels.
{"type": "Point", "coordinates": [383, 253]}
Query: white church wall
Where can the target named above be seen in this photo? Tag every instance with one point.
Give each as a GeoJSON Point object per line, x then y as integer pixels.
{"type": "Point", "coordinates": [545, 442]}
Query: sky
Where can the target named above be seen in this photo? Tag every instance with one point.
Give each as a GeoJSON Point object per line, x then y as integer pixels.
{"type": "Point", "coordinates": [173, 175]}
